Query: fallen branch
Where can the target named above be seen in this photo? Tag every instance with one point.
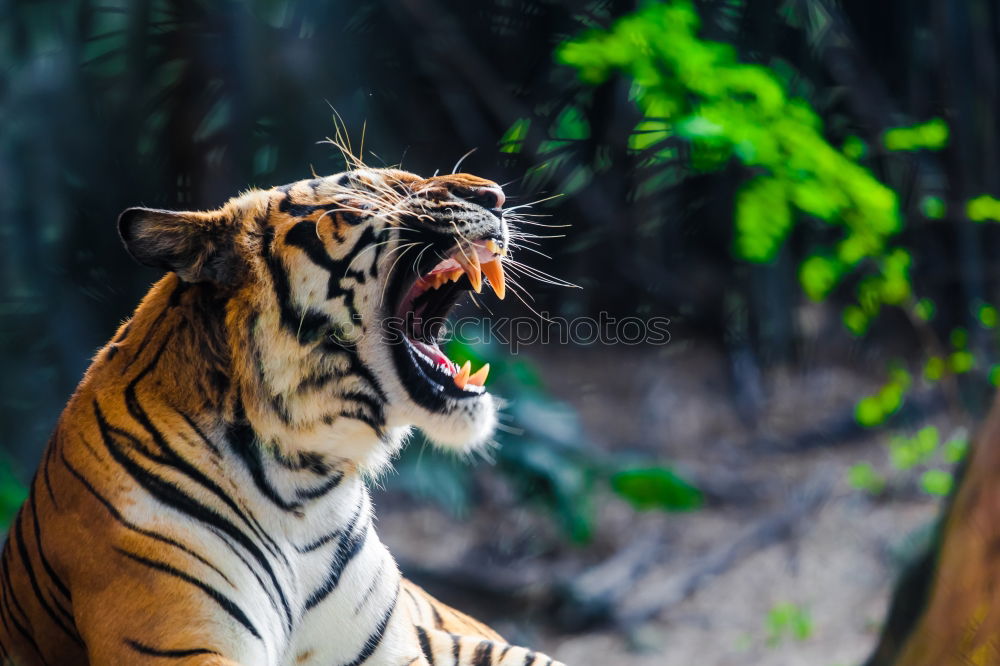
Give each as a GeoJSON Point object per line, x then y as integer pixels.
{"type": "Point", "coordinates": [771, 530]}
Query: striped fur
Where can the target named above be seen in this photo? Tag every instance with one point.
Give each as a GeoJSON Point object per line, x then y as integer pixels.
{"type": "Point", "coordinates": [202, 499]}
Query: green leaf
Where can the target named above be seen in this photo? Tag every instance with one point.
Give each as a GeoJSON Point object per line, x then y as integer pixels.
{"type": "Point", "coordinates": [787, 620]}
{"type": "Point", "coordinates": [864, 477]}
{"type": "Point", "coordinates": [854, 148]}
{"type": "Point", "coordinates": [924, 309]}
{"type": "Point", "coordinates": [933, 208]}
{"type": "Point", "coordinates": [763, 219]}
{"type": "Point", "coordinates": [656, 488]}
{"type": "Point", "coordinates": [869, 412]}
{"type": "Point", "coordinates": [856, 320]}
{"type": "Point", "coordinates": [987, 315]}
{"type": "Point", "coordinates": [818, 275]}
{"type": "Point", "coordinates": [959, 338]}
{"type": "Point", "coordinates": [936, 482]}
{"type": "Point", "coordinates": [955, 450]}
{"type": "Point", "coordinates": [931, 135]}
{"type": "Point", "coordinates": [934, 368]}
{"type": "Point", "coordinates": [983, 208]}
{"type": "Point", "coordinates": [513, 138]}
{"type": "Point", "coordinates": [571, 125]}
{"type": "Point", "coordinates": [961, 362]}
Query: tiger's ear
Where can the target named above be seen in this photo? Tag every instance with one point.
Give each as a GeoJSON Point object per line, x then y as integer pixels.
{"type": "Point", "coordinates": [199, 247]}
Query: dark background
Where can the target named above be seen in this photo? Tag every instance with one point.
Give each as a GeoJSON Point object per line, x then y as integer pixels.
{"type": "Point", "coordinates": [106, 104]}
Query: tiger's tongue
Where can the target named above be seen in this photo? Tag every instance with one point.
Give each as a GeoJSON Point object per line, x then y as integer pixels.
{"type": "Point", "coordinates": [432, 352]}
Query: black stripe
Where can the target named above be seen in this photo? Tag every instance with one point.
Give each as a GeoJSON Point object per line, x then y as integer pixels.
{"type": "Point", "coordinates": [60, 585]}
{"type": "Point", "coordinates": [182, 465]}
{"type": "Point", "coordinates": [172, 496]}
{"type": "Point", "coordinates": [359, 368]}
{"type": "Point", "coordinates": [286, 205]}
{"type": "Point", "coordinates": [49, 570]}
{"type": "Point", "coordinates": [151, 330]}
{"type": "Point", "coordinates": [357, 415]}
{"type": "Point", "coordinates": [223, 601]}
{"type": "Point", "coordinates": [204, 438]}
{"type": "Point", "coordinates": [135, 528]}
{"type": "Point", "coordinates": [243, 441]}
{"type": "Point", "coordinates": [50, 450]}
{"type": "Point", "coordinates": [438, 620]}
{"type": "Point", "coordinates": [416, 604]}
{"type": "Point", "coordinates": [168, 654]}
{"type": "Point", "coordinates": [17, 535]}
{"type": "Point", "coordinates": [376, 579]}
{"type": "Point", "coordinates": [318, 543]}
{"type": "Point", "coordinates": [425, 644]}
{"type": "Point", "coordinates": [483, 656]}
{"type": "Point", "coordinates": [9, 597]}
{"type": "Point", "coordinates": [503, 653]}
{"type": "Point", "coordinates": [306, 327]}
{"type": "Point", "coordinates": [124, 332]}
{"type": "Point", "coordinates": [350, 545]}
{"type": "Point", "coordinates": [529, 658]}
{"type": "Point", "coordinates": [309, 494]}
{"type": "Point", "coordinates": [456, 647]}
{"type": "Point", "coordinates": [304, 460]}
{"type": "Point", "coordinates": [375, 638]}
{"type": "Point", "coordinates": [304, 236]}
{"type": "Point", "coordinates": [176, 461]}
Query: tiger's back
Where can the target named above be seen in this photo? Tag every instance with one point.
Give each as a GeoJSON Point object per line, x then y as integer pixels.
{"type": "Point", "coordinates": [203, 496]}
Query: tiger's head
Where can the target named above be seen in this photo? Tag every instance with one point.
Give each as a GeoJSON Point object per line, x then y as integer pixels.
{"type": "Point", "coordinates": [334, 292]}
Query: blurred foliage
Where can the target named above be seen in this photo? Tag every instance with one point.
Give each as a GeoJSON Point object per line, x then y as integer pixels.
{"type": "Point", "coordinates": [983, 208]}
{"type": "Point", "coordinates": [656, 488]}
{"type": "Point", "coordinates": [788, 621]}
{"type": "Point", "coordinates": [922, 458]}
{"type": "Point", "coordinates": [931, 135]}
{"type": "Point", "coordinates": [876, 409]}
{"type": "Point", "coordinates": [544, 453]}
{"type": "Point", "coordinates": [12, 491]}
{"type": "Point", "coordinates": [697, 90]}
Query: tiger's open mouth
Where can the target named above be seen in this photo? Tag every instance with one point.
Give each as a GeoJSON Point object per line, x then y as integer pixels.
{"type": "Point", "coordinates": [427, 373]}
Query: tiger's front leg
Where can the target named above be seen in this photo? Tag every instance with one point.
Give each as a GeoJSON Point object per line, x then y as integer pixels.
{"type": "Point", "coordinates": [442, 648]}
{"type": "Point", "coordinates": [448, 637]}
{"type": "Point", "coordinates": [144, 607]}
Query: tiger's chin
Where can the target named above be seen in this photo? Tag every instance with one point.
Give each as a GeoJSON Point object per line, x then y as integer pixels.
{"type": "Point", "coordinates": [465, 429]}
{"type": "Point", "coordinates": [437, 397]}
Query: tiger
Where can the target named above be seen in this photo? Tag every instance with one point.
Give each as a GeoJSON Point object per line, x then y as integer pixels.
{"type": "Point", "coordinates": [204, 497]}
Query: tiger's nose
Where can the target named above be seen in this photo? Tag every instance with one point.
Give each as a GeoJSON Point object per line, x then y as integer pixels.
{"type": "Point", "coordinates": [487, 197]}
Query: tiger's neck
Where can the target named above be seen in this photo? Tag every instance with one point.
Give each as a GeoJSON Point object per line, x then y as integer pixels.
{"type": "Point", "coordinates": [175, 360]}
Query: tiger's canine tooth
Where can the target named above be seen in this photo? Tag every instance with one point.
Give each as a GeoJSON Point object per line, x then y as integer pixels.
{"type": "Point", "coordinates": [479, 377]}
{"type": "Point", "coordinates": [470, 262]}
{"type": "Point", "coordinates": [494, 273]}
{"type": "Point", "coordinates": [462, 376]}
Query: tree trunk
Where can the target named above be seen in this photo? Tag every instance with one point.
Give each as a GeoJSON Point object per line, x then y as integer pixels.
{"type": "Point", "coordinates": [946, 608]}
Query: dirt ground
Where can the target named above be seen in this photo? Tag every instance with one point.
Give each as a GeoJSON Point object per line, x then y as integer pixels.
{"type": "Point", "coordinates": [782, 525]}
